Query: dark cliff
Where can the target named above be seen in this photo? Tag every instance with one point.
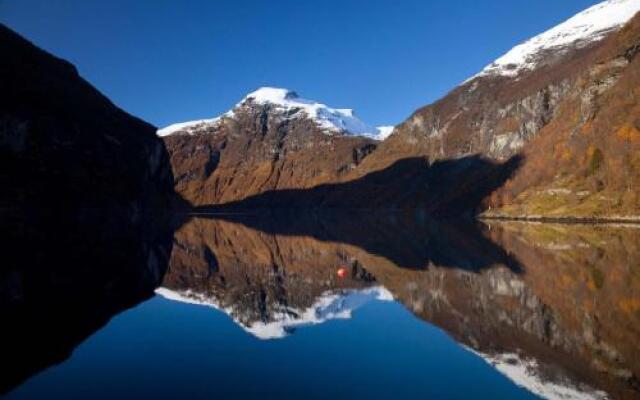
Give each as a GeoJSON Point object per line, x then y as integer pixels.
{"type": "Point", "coordinates": [65, 145]}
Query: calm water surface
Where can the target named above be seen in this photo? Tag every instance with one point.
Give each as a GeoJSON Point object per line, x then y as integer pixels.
{"type": "Point", "coordinates": [329, 307]}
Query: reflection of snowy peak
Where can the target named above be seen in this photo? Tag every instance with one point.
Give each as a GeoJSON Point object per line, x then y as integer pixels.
{"type": "Point", "coordinates": [588, 26]}
{"type": "Point", "coordinates": [330, 305]}
{"type": "Point", "coordinates": [288, 105]}
{"type": "Point", "coordinates": [527, 373]}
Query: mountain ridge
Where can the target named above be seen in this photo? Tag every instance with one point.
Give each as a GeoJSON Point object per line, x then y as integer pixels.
{"type": "Point", "coordinates": [291, 105]}
{"type": "Point", "coordinates": [497, 117]}
{"type": "Point", "coordinates": [590, 25]}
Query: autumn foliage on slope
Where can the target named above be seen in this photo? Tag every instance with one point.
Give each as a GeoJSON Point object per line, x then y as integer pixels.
{"type": "Point", "coordinates": [586, 161]}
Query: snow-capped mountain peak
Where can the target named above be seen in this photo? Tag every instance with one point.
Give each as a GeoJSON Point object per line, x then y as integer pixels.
{"type": "Point", "coordinates": [338, 120]}
{"type": "Point", "coordinates": [291, 105]}
{"type": "Point", "coordinates": [273, 95]}
{"type": "Point", "coordinates": [588, 26]}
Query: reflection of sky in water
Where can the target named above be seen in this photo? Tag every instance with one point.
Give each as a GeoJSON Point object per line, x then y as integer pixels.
{"type": "Point", "coordinates": [167, 349]}
{"type": "Point", "coordinates": [519, 299]}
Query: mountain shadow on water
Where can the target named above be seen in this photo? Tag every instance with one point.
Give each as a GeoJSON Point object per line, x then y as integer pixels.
{"type": "Point", "coordinates": [409, 240]}
{"type": "Point", "coordinates": [443, 188]}
{"type": "Point", "coordinates": [63, 277]}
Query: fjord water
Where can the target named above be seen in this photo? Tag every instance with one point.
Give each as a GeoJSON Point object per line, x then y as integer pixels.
{"type": "Point", "coordinates": [366, 306]}
{"type": "Point", "coordinates": [162, 349]}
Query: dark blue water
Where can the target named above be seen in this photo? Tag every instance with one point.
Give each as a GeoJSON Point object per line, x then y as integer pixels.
{"type": "Point", "coordinates": [319, 307]}
{"type": "Point", "coordinates": [164, 349]}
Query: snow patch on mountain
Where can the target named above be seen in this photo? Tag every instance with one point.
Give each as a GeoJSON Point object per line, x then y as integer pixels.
{"type": "Point", "coordinates": [588, 26]}
{"type": "Point", "coordinates": [384, 132]}
{"type": "Point", "coordinates": [288, 104]}
{"type": "Point", "coordinates": [191, 127]}
{"type": "Point", "coordinates": [329, 306]}
{"type": "Point", "coordinates": [188, 127]}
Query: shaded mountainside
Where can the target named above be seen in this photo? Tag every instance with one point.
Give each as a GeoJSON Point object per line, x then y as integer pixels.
{"type": "Point", "coordinates": [256, 156]}
{"type": "Point", "coordinates": [500, 290]}
{"type": "Point", "coordinates": [96, 170]}
{"type": "Point", "coordinates": [65, 145]}
{"type": "Point", "coordinates": [443, 188]}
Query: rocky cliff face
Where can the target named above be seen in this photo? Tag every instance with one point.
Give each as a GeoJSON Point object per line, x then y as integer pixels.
{"type": "Point", "coordinates": [267, 142]}
{"type": "Point", "coordinates": [496, 112]}
{"type": "Point", "coordinates": [585, 161]}
{"type": "Point", "coordinates": [566, 100]}
{"type": "Point", "coordinates": [64, 145]}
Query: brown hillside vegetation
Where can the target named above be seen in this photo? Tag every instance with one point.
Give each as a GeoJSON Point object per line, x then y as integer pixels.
{"type": "Point", "coordinates": [575, 120]}
{"type": "Point", "coordinates": [586, 161]}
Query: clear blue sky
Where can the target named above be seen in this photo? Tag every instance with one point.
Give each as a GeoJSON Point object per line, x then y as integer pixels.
{"type": "Point", "coordinates": [170, 61]}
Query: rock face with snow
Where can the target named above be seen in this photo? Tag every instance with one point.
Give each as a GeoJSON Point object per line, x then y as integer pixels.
{"type": "Point", "coordinates": [566, 100]}
{"type": "Point", "coordinates": [290, 106]}
{"type": "Point", "coordinates": [272, 139]}
{"type": "Point", "coordinates": [498, 111]}
{"type": "Point", "coordinates": [582, 30]}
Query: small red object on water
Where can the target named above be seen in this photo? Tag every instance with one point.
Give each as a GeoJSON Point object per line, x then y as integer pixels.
{"type": "Point", "coordinates": [342, 272]}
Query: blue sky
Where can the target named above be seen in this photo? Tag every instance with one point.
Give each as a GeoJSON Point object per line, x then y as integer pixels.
{"type": "Point", "coordinates": [170, 61]}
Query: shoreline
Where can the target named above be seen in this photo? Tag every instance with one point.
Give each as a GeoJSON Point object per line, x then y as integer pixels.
{"type": "Point", "coordinates": [635, 220]}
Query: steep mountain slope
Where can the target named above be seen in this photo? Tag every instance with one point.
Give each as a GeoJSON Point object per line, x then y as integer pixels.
{"type": "Point", "coordinates": [272, 139]}
{"type": "Point", "coordinates": [586, 162]}
{"type": "Point", "coordinates": [76, 177]}
{"type": "Point", "coordinates": [576, 77]}
{"type": "Point", "coordinates": [64, 145]}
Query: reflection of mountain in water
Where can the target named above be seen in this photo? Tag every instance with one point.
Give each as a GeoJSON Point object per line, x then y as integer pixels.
{"type": "Point", "coordinates": [285, 319]}
{"type": "Point", "coordinates": [62, 278]}
{"type": "Point", "coordinates": [556, 308]}
{"type": "Point", "coordinates": [553, 307]}
{"type": "Point", "coordinates": [264, 284]}
{"type": "Point", "coordinates": [409, 241]}
{"type": "Point", "coordinates": [528, 373]}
